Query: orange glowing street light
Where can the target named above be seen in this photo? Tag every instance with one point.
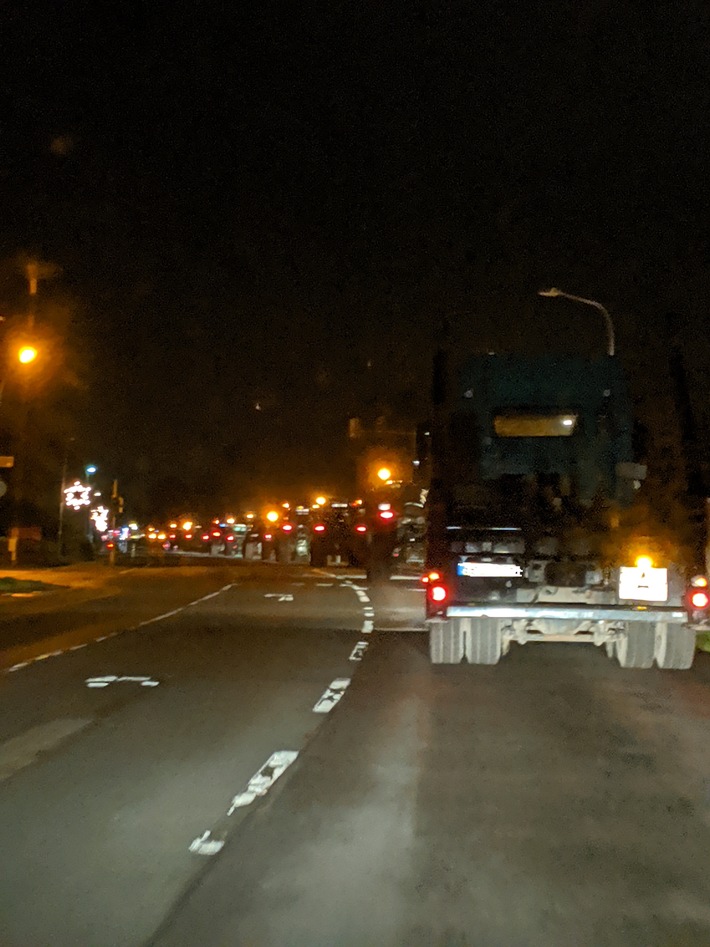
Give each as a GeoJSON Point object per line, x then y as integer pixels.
{"type": "Point", "coordinates": [27, 354]}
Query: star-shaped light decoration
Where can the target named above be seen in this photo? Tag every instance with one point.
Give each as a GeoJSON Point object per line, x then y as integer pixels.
{"type": "Point", "coordinates": [77, 495]}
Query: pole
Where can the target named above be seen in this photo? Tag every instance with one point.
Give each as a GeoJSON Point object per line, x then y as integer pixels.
{"type": "Point", "coordinates": [114, 515]}
{"type": "Point", "coordinates": [60, 531]}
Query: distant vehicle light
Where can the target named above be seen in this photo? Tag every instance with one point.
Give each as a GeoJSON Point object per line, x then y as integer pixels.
{"type": "Point", "coordinates": [272, 516]}
{"type": "Point", "coordinates": [172, 536]}
{"type": "Point", "coordinates": [231, 520]}
{"type": "Point", "coordinates": [268, 537]}
{"type": "Point", "coordinates": [386, 515]}
{"type": "Point", "coordinates": [110, 545]}
{"type": "Point", "coordinates": [699, 582]}
{"type": "Point", "coordinates": [229, 539]}
{"type": "Point", "coordinates": [361, 528]}
{"type": "Point", "coordinates": [205, 537]}
{"type": "Point", "coordinates": [700, 599]}
{"type": "Point", "coordinates": [321, 501]}
{"type": "Point", "coordinates": [319, 528]}
{"type": "Point", "coordinates": [287, 527]}
{"type": "Point", "coordinates": [188, 535]}
{"type": "Point", "coordinates": [187, 525]}
{"type": "Point", "coordinates": [431, 577]}
{"type": "Point", "coordinates": [216, 533]}
{"type": "Point", "coordinates": [162, 536]}
{"type": "Point", "coordinates": [437, 593]}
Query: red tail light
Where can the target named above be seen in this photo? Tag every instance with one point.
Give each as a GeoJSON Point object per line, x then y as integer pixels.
{"type": "Point", "coordinates": [267, 537]}
{"type": "Point", "coordinates": [386, 515]}
{"type": "Point", "coordinates": [319, 528]}
{"type": "Point", "coordinates": [287, 527]}
{"type": "Point", "coordinates": [361, 528]}
{"type": "Point", "coordinates": [206, 536]}
{"type": "Point", "coordinates": [700, 599]}
{"type": "Point", "coordinates": [438, 593]}
{"type": "Point", "coordinates": [230, 539]}
{"type": "Point", "coordinates": [188, 535]}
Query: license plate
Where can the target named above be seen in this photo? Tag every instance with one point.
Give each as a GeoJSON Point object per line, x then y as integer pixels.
{"type": "Point", "coordinates": [481, 570]}
{"type": "Point", "coordinates": [643, 585]}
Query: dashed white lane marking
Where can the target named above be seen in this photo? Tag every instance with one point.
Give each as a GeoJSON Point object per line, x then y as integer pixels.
{"type": "Point", "coordinates": [368, 626]}
{"type": "Point", "coordinates": [264, 778]}
{"type": "Point", "coordinates": [150, 621]}
{"type": "Point", "coordinates": [280, 596]}
{"type": "Point", "coordinates": [260, 783]}
{"type": "Point", "coordinates": [324, 585]}
{"type": "Point", "coordinates": [358, 651]}
{"type": "Point", "coordinates": [176, 611]}
{"type": "Point", "coordinates": [23, 750]}
{"type": "Point", "coordinates": [206, 845]}
{"type": "Point", "coordinates": [332, 695]}
{"type": "Point", "coordinates": [113, 634]}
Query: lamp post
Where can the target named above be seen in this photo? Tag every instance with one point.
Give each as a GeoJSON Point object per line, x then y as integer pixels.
{"type": "Point", "coordinates": [611, 343]}
{"type": "Point", "coordinates": [26, 356]}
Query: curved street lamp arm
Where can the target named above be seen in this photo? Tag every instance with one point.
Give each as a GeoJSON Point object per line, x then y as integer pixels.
{"type": "Point", "coordinates": [610, 334]}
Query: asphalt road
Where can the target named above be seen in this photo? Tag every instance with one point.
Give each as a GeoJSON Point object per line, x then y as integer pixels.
{"type": "Point", "coordinates": [554, 800]}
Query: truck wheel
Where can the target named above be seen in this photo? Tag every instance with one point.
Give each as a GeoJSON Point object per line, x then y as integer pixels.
{"type": "Point", "coordinates": [446, 644]}
{"type": "Point", "coordinates": [635, 648]}
{"type": "Point", "coordinates": [485, 641]}
{"type": "Point", "coordinates": [675, 647]}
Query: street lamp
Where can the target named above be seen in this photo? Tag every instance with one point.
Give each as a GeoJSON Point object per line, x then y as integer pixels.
{"type": "Point", "coordinates": [27, 354]}
{"type": "Point", "coordinates": [553, 291]}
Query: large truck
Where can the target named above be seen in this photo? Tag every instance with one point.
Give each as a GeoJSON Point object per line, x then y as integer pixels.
{"type": "Point", "coordinates": [537, 524]}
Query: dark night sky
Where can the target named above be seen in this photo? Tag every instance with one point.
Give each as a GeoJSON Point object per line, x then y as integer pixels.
{"type": "Point", "coordinates": [251, 207]}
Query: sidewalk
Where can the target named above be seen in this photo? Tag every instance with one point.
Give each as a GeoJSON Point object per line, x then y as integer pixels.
{"type": "Point", "coordinates": [59, 586]}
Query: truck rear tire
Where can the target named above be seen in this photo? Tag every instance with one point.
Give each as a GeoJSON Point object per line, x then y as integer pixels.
{"type": "Point", "coordinates": [446, 642]}
{"type": "Point", "coordinates": [485, 641]}
{"type": "Point", "coordinates": [675, 647]}
{"type": "Point", "coordinates": [636, 648]}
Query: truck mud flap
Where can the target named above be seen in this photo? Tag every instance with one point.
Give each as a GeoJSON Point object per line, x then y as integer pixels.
{"type": "Point", "coordinates": [446, 642]}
